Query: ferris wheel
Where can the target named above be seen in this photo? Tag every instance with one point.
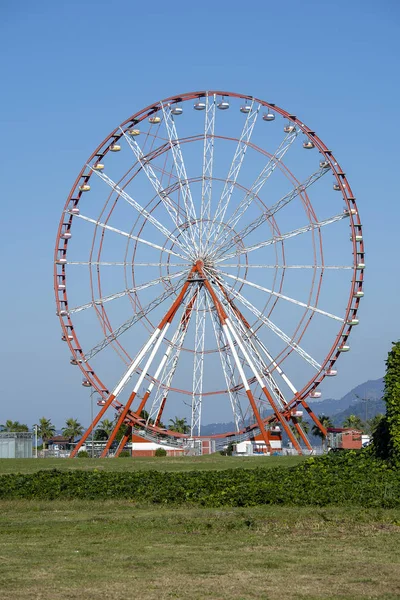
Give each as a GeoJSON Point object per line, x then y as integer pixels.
{"type": "Point", "coordinates": [209, 263]}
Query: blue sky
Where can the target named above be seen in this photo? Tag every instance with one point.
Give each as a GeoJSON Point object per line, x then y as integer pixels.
{"type": "Point", "coordinates": [71, 72]}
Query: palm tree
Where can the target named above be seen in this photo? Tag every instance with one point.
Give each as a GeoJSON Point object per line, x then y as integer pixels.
{"type": "Point", "coordinates": [13, 426]}
{"type": "Point", "coordinates": [72, 430]}
{"type": "Point", "coordinates": [104, 430]}
{"type": "Point", "coordinates": [45, 430]}
{"type": "Point", "coordinates": [325, 422]}
{"type": "Point", "coordinates": [305, 425]}
{"type": "Point", "coordinates": [179, 425]}
{"type": "Point", "coordinates": [354, 421]}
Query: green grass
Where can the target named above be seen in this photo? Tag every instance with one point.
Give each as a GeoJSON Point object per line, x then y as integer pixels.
{"type": "Point", "coordinates": [113, 550]}
{"type": "Point", "coordinates": [184, 463]}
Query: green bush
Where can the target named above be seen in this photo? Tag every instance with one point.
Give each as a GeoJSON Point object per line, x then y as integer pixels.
{"type": "Point", "coordinates": [349, 478]}
{"type": "Point", "coordinates": [124, 454]}
{"type": "Point", "coordinates": [160, 452]}
{"type": "Point", "coordinates": [83, 454]}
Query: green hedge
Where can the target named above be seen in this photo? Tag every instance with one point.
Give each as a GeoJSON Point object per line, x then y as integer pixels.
{"type": "Point", "coordinates": [341, 479]}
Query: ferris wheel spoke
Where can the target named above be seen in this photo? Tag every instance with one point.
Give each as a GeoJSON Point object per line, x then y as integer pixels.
{"type": "Point", "coordinates": [94, 263]}
{"type": "Point", "coordinates": [256, 187]}
{"type": "Point", "coordinates": [282, 296]}
{"type": "Point", "coordinates": [198, 364]}
{"type": "Point", "coordinates": [155, 182]}
{"type": "Point", "coordinates": [283, 336]}
{"type": "Point", "coordinates": [228, 370]}
{"type": "Point", "coordinates": [234, 170]}
{"type": "Point", "coordinates": [180, 170]}
{"type": "Point", "coordinates": [142, 286]}
{"type": "Point", "coordinates": [251, 335]}
{"type": "Point", "coordinates": [322, 267]}
{"type": "Point", "coordinates": [255, 355]}
{"type": "Point", "coordinates": [142, 211]}
{"type": "Point", "coordinates": [131, 321]}
{"type": "Point", "coordinates": [208, 164]}
{"type": "Point", "coordinates": [169, 362]}
{"type": "Point", "coordinates": [128, 235]}
{"type": "Point", "coordinates": [280, 238]}
{"type": "Point", "coordinates": [285, 200]}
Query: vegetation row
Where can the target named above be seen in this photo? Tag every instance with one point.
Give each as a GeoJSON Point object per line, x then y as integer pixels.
{"type": "Point", "coordinates": [349, 478]}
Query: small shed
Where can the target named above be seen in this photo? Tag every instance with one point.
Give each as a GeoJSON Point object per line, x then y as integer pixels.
{"type": "Point", "coordinates": [344, 438]}
{"type": "Point", "coordinates": [16, 444]}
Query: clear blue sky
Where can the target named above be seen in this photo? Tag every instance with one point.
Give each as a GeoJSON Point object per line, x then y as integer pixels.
{"type": "Point", "coordinates": [70, 72]}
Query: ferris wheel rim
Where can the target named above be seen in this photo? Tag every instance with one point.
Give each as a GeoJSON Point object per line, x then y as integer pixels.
{"type": "Point", "coordinates": [358, 248]}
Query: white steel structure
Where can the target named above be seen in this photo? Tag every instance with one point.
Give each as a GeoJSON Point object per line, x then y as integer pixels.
{"type": "Point", "coordinates": [206, 265]}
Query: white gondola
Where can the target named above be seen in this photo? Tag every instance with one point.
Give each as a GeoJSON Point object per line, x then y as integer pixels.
{"type": "Point", "coordinates": [331, 372]}
{"type": "Point", "coordinates": [98, 167]}
{"type": "Point", "coordinates": [134, 132]}
{"type": "Point", "coordinates": [66, 235]}
{"type": "Point", "coordinates": [352, 322]}
{"type": "Point", "coordinates": [297, 413]}
{"type": "Point", "coordinates": [351, 211]}
{"type": "Point", "coordinates": [315, 394]}
{"type": "Point", "coordinates": [223, 105]}
{"type": "Point", "coordinates": [115, 148]}
{"type": "Point", "coordinates": [62, 313]}
{"type": "Point", "coordinates": [75, 210]}
{"type": "Point", "coordinates": [101, 402]}
{"type": "Point", "coordinates": [86, 383]}
{"type": "Point", "coordinates": [246, 108]}
{"type": "Point", "coordinates": [177, 110]}
{"type": "Point", "coordinates": [358, 294]}
{"type": "Point", "coordinates": [199, 105]}
{"type": "Point", "coordinates": [154, 120]}
{"type": "Point", "coordinates": [336, 187]}
{"type": "Point", "coordinates": [289, 128]}
{"type": "Point", "coordinates": [308, 145]}
{"type": "Point", "coordinates": [357, 238]}
{"type": "Point", "coordinates": [84, 188]}
{"type": "Point", "coordinates": [269, 116]}
{"type": "Point", "coordinates": [343, 348]}
{"type": "Point", "coordinates": [61, 261]}
{"type": "Point", "coordinates": [61, 287]}
{"type": "Point", "coordinates": [64, 338]}
{"type": "Point", "coordinates": [360, 266]}
{"type": "Point", "coordinates": [324, 164]}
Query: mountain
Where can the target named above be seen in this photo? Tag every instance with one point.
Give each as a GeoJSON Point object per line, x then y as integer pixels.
{"type": "Point", "coordinates": [364, 399]}
{"type": "Point", "coordinates": [371, 390]}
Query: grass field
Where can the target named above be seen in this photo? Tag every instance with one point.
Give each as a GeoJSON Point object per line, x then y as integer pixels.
{"type": "Point", "coordinates": [114, 550]}
{"type": "Point", "coordinates": [184, 463]}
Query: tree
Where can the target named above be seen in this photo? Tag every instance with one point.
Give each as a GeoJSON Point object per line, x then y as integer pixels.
{"type": "Point", "coordinates": [14, 426]}
{"type": "Point", "coordinates": [386, 438]}
{"type": "Point", "coordinates": [326, 422]}
{"type": "Point", "coordinates": [305, 425]}
{"type": "Point", "coordinates": [179, 425]}
{"type": "Point", "coordinates": [354, 421]}
{"type": "Point", "coordinates": [45, 430]}
{"type": "Point", "coordinates": [72, 430]}
{"type": "Point", "coordinates": [373, 423]}
{"type": "Point", "coordinates": [104, 430]}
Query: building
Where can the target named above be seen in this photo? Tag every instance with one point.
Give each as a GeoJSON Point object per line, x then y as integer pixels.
{"type": "Point", "coordinates": [15, 444]}
{"type": "Point", "coordinates": [344, 438]}
{"type": "Point", "coordinates": [258, 446]}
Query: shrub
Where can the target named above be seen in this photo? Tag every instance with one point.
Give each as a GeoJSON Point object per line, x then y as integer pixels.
{"type": "Point", "coordinates": [348, 478]}
{"type": "Point", "coordinates": [124, 454]}
{"type": "Point", "coordinates": [160, 452]}
{"type": "Point", "coordinates": [83, 454]}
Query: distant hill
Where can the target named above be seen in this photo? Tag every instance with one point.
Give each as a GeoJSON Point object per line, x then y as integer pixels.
{"type": "Point", "coordinates": [364, 410]}
{"type": "Point", "coordinates": [372, 390]}
{"type": "Point", "coordinates": [352, 403]}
